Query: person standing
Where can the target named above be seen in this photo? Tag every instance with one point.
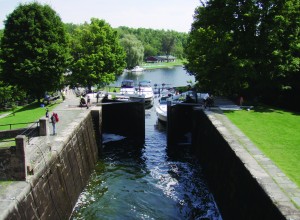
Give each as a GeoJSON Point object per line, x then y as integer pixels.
{"type": "Point", "coordinates": [88, 102]}
{"type": "Point", "coordinates": [47, 113]}
{"type": "Point", "coordinates": [53, 121]}
{"type": "Point", "coordinates": [98, 96]}
{"type": "Point", "coordinates": [241, 100]}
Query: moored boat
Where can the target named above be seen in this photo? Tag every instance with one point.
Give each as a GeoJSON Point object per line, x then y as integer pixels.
{"type": "Point", "coordinates": [145, 88]}
{"type": "Point", "coordinates": [161, 108]}
{"type": "Point", "coordinates": [127, 87]}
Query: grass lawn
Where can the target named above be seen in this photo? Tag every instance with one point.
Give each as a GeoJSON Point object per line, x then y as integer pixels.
{"type": "Point", "coordinates": [7, 142]}
{"type": "Point", "coordinates": [28, 113]}
{"type": "Point", "coordinates": [276, 133]}
{"type": "Point", "coordinates": [178, 62]}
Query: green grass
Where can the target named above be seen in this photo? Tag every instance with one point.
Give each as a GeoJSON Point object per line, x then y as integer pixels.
{"type": "Point", "coordinates": [7, 142]}
{"type": "Point", "coordinates": [178, 62]}
{"type": "Point", "coordinates": [276, 133]}
{"type": "Point", "coordinates": [29, 113]}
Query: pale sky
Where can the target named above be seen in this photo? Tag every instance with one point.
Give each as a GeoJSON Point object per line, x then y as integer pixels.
{"type": "Point", "coordinates": [155, 14]}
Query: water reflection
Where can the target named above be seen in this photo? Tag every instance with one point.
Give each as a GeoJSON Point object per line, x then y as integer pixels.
{"type": "Point", "coordinates": [174, 77]}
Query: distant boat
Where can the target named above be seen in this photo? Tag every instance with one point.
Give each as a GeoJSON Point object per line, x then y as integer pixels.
{"type": "Point", "coordinates": [137, 69]}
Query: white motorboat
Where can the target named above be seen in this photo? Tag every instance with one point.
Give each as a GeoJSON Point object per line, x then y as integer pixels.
{"type": "Point", "coordinates": [137, 69]}
{"type": "Point", "coordinates": [161, 108]}
{"type": "Point", "coordinates": [127, 87]}
{"type": "Point", "coordinates": [145, 88]}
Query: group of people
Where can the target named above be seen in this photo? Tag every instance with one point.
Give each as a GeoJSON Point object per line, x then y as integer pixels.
{"type": "Point", "coordinates": [208, 101]}
{"type": "Point", "coordinates": [83, 103]}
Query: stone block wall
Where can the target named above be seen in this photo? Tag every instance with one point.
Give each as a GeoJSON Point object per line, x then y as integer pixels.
{"type": "Point", "coordinates": [53, 191]}
{"type": "Point", "coordinates": [236, 191]}
{"type": "Point", "coordinates": [12, 161]}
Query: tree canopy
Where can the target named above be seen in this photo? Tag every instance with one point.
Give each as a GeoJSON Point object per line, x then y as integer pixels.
{"type": "Point", "coordinates": [158, 42]}
{"type": "Point", "coordinates": [97, 54]}
{"type": "Point", "coordinates": [249, 47]}
{"type": "Point", "coordinates": [168, 43]}
{"type": "Point", "coordinates": [134, 50]}
{"type": "Point", "coordinates": [34, 49]}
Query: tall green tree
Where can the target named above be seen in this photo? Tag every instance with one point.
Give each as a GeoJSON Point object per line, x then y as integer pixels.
{"type": "Point", "coordinates": [134, 50]}
{"type": "Point", "coordinates": [245, 46]}
{"type": "Point", "coordinates": [34, 49]}
{"type": "Point", "coordinates": [97, 54]}
{"type": "Point", "coordinates": [168, 43]}
{"type": "Point", "coordinates": [280, 52]}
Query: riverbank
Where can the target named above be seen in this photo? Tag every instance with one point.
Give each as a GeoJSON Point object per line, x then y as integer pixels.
{"type": "Point", "coordinates": [150, 66]}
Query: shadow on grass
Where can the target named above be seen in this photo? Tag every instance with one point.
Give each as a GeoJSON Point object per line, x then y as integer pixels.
{"type": "Point", "coordinates": [32, 106]}
{"type": "Point", "coordinates": [263, 109]}
{"type": "Point", "coordinates": [269, 109]}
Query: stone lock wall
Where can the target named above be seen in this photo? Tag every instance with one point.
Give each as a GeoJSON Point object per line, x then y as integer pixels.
{"type": "Point", "coordinates": [124, 118]}
{"type": "Point", "coordinates": [236, 191]}
{"type": "Point", "coordinates": [53, 191]}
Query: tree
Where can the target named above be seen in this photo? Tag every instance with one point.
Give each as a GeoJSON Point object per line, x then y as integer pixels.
{"type": "Point", "coordinates": [34, 49]}
{"type": "Point", "coordinates": [168, 43]}
{"type": "Point", "coordinates": [152, 40]}
{"type": "Point", "coordinates": [97, 54]}
{"type": "Point", "coordinates": [134, 50]}
{"type": "Point", "coordinates": [245, 46]}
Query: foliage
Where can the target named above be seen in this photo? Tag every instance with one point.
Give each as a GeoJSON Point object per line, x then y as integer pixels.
{"type": "Point", "coordinates": [168, 43]}
{"type": "Point", "coordinates": [97, 54]}
{"type": "Point", "coordinates": [9, 94]}
{"type": "Point", "coordinates": [152, 41]}
{"type": "Point", "coordinates": [249, 47]}
{"type": "Point", "coordinates": [34, 49]}
{"type": "Point", "coordinates": [274, 132]}
{"type": "Point", "coordinates": [134, 50]}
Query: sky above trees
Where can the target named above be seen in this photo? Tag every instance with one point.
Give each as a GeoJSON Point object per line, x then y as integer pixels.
{"type": "Point", "coordinates": [156, 14]}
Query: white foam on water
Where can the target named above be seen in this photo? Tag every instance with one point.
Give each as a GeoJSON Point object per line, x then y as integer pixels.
{"type": "Point", "coordinates": [111, 137]}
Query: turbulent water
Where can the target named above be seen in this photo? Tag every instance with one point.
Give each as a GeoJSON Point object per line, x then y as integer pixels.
{"type": "Point", "coordinates": [146, 181]}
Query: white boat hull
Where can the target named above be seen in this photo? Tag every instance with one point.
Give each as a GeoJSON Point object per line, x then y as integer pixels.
{"type": "Point", "coordinates": [161, 112]}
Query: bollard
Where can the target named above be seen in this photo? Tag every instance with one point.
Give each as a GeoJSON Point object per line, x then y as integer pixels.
{"type": "Point", "coordinates": [19, 163]}
{"type": "Point", "coordinates": [44, 129]}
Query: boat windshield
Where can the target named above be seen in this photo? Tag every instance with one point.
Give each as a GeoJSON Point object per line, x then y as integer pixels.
{"type": "Point", "coordinates": [127, 84]}
{"type": "Point", "coordinates": [144, 84]}
{"type": "Point", "coordinates": [163, 100]}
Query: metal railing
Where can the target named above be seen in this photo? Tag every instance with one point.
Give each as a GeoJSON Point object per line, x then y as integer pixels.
{"type": "Point", "coordinates": [29, 132]}
{"type": "Point", "coordinates": [24, 123]}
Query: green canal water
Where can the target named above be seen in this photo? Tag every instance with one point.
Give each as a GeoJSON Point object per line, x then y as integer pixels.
{"type": "Point", "coordinates": [146, 181]}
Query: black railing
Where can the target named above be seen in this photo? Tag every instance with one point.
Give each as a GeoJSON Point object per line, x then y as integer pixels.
{"type": "Point", "coordinates": [24, 123]}
{"type": "Point", "coordinates": [31, 131]}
